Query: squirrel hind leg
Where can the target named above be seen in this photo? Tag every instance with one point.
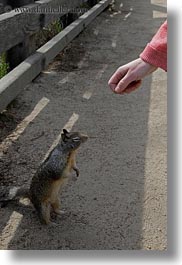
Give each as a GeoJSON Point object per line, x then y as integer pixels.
{"type": "Point", "coordinates": [45, 213]}
{"type": "Point", "coordinates": [43, 209]}
{"type": "Point", "coordinates": [56, 206]}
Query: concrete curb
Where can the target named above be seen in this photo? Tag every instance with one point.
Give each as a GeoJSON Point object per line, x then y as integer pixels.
{"type": "Point", "coordinates": [12, 84]}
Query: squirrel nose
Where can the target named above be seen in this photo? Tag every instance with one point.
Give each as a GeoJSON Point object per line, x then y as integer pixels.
{"type": "Point", "coordinates": [84, 138]}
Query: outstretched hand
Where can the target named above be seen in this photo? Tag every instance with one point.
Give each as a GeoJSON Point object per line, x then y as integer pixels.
{"type": "Point", "coordinates": [129, 77]}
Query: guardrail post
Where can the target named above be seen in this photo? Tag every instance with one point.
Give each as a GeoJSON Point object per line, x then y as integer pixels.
{"type": "Point", "coordinates": [18, 53]}
{"type": "Point", "coordinates": [19, 3]}
{"type": "Point", "coordinates": [92, 2]}
{"type": "Point", "coordinates": [21, 51]}
{"type": "Point", "coordinates": [3, 3]}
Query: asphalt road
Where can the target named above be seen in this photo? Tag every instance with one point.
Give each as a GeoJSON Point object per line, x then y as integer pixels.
{"type": "Point", "coordinates": [119, 200]}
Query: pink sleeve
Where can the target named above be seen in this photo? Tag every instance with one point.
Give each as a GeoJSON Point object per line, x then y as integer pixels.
{"type": "Point", "coordinates": [155, 52]}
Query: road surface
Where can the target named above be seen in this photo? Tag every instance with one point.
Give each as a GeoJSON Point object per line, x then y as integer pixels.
{"type": "Point", "coordinates": [119, 201]}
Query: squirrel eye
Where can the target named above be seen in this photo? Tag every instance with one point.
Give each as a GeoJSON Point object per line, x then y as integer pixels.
{"type": "Point", "coordinates": [76, 139]}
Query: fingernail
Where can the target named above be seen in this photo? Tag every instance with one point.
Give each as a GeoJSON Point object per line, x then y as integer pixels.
{"type": "Point", "coordinates": [117, 89]}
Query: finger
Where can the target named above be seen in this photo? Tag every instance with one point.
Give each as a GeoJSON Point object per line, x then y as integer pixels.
{"type": "Point", "coordinates": [131, 87]}
{"type": "Point", "coordinates": [125, 81]}
{"type": "Point", "coordinates": [116, 77]}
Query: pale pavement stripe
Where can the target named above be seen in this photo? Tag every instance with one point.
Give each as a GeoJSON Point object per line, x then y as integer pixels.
{"type": "Point", "coordinates": [10, 229]}
{"type": "Point", "coordinates": [127, 15]}
{"type": "Point", "coordinates": [87, 95]}
{"type": "Point", "coordinates": [22, 126]}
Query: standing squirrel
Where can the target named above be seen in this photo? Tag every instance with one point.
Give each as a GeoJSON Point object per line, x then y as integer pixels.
{"type": "Point", "coordinates": [51, 174]}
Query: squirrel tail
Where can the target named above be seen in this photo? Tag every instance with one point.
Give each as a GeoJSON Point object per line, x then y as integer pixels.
{"type": "Point", "coordinates": [8, 194]}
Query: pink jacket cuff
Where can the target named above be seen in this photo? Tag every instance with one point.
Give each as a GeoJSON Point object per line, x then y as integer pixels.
{"type": "Point", "coordinates": [155, 52]}
{"type": "Point", "coordinates": [154, 57]}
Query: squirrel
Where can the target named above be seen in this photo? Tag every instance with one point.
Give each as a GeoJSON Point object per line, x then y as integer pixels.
{"type": "Point", "coordinates": [48, 179]}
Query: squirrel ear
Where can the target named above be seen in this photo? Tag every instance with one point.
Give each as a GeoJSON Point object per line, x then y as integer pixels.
{"type": "Point", "coordinates": [65, 131]}
{"type": "Point", "coordinates": [63, 137]}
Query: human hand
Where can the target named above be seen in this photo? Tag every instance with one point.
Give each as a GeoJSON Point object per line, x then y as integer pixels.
{"type": "Point", "coordinates": [129, 77]}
